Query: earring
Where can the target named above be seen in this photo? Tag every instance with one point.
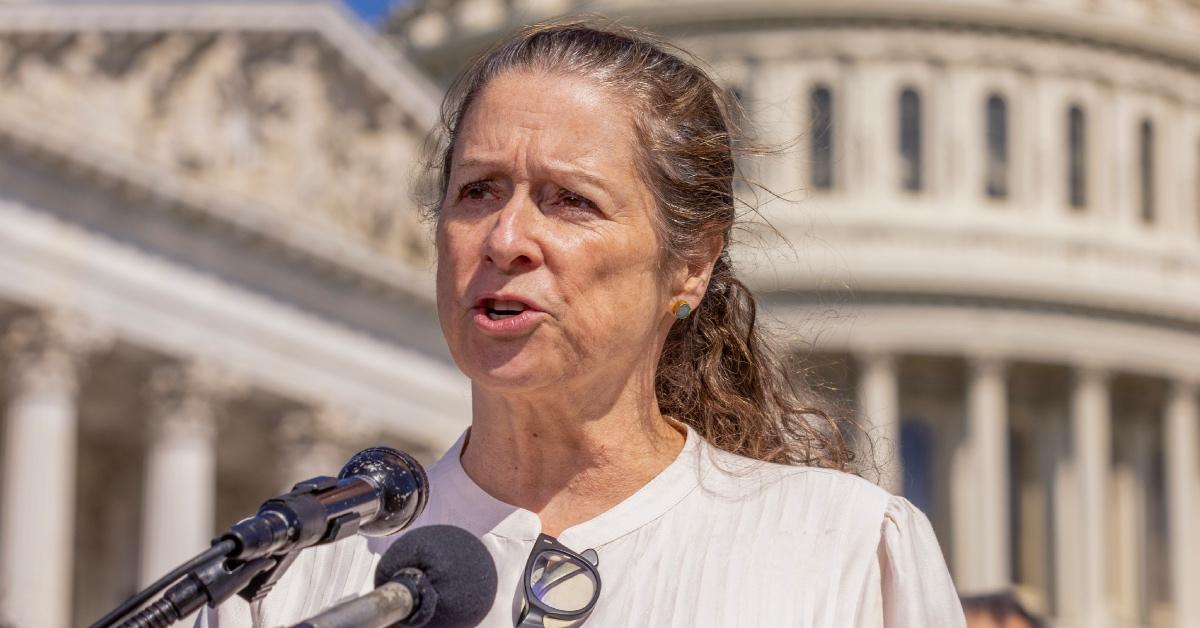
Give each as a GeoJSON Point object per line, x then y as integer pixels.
{"type": "Point", "coordinates": [681, 309]}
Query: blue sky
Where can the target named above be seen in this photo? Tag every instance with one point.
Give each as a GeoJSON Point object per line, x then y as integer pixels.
{"type": "Point", "coordinates": [372, 11]}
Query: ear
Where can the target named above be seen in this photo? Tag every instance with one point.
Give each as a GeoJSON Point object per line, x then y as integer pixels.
{"type": "Point", "coordinates": [693, 280]}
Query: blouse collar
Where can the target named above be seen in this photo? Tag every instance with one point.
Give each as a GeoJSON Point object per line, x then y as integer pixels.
{"type": "Point", "coordinates": [481, 513]}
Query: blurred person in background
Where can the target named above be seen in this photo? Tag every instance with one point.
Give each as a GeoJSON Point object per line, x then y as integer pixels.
{"type": "Point", "coordinates": [998, 610]}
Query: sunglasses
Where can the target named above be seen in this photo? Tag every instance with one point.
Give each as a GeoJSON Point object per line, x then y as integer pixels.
{"type": "Point", "coordinates": [559, 583]}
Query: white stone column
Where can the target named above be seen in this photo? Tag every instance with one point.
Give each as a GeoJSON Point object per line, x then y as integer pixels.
{"type": "Point", "coordinates": [1047, 169]}
{"type": "Point", "coordinates": [879, 407]}
{"type": "Point", "coordinates": [1183, 500]}
{"type": "Point", "coordinates": [1130, 478]}
{"type": "Point", "coordinates": [1025, 104]}
{"type": "Point", "coordinates": [987, 434]}
{"type": "Point", "coordinates": [1109, 162]}
{"type": "Point", "coordinates": [780, 107]}
{"type": "Point", "coordinates": [870, 168]}
{"type": "Point", "coordinates": [179, 499]}
{"type": "Point", "coordinates": [37, 535]}
{"type": "Point", "coordinates": [1067, 508]}
{"type": "Point", "coordinates": [1172, 151]}
{"type": "Point", "coordinates": [312, 444]}
{"type": "Point", "coordinates": [960, 153]}
{"type": "Point", "coordinates": [1091, 427]}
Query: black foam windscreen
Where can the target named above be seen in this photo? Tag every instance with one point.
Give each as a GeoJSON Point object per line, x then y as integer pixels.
{"type": "Point", "coordinates": [456, 563]}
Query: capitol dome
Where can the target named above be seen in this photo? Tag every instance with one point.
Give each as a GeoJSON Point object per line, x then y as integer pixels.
{"type": "Point", "coordinates": [992, 225]}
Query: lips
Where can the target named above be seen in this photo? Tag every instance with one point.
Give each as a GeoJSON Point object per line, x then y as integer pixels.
{"type": "Point", "coordinates": [499, 309]}
{"type": "Point", "coordinates": [503, 314]}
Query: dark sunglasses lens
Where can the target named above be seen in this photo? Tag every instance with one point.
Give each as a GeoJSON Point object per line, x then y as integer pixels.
{"type": "Point", "coordinates": [561, 582]}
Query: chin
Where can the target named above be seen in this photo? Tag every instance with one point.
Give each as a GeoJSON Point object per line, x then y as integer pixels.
{"type": "Point", "coordinates": [513, 378]}
{"type": "Point", "coordinates": [513, 367]}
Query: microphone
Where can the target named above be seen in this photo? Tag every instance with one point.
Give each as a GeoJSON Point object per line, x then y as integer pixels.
{"type": "Point", "coordinates": [437, 576]}
{"type": "Point", "coordinates": [380, 491]}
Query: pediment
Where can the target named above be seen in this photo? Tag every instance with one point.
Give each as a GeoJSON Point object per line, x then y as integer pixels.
{"type": "Point", "coordinates": [294, 108]}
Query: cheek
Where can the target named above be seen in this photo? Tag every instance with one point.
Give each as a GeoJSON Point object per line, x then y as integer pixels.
{"type": "Point", "coordinates": [454, 263]}
{"type": "Point", "coordinates": [621, 289]}
{"type": "Point", "coordinates": [455, 254]}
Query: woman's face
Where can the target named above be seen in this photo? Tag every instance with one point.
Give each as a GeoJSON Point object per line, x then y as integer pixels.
{"type": "Point", "coordinates": [547, 252]}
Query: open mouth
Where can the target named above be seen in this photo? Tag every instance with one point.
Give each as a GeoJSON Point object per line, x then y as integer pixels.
{"type": "Point", "coordinates": [497, 309]}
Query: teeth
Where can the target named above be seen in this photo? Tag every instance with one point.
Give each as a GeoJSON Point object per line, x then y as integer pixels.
{"type": "Point", "coordinates": [498, 309]}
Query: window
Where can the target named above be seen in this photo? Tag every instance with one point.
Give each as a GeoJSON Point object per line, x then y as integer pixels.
{"type": "Point", "coordinates": [1146, 170]}
{"type": "Point", "coordinates": [997, 148]}
{"type": "Point", "coordinates": [910, 141]}
{"type": "Point", "coordinates": [820, 106]}
{"type": "Point", "coordinates": [917, 460]}
{"type": "Point", "coordinates": [1076, 158]}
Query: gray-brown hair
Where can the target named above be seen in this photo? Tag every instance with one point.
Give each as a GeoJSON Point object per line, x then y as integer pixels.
{"type": "Point", "coordinates": [718, 372]}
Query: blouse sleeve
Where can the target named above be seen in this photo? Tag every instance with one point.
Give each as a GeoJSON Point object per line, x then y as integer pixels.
{"type": "Point", "coordinates": [916, 586]}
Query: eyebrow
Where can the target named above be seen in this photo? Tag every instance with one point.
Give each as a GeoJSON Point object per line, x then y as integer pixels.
{"type": "Point", "coordinates": [556, 166]}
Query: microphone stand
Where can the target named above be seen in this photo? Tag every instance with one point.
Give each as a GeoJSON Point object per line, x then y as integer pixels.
{"type": "Point", "coordinates": [379, 491]}
{"type": "Point", "coordinates": [217, 579]}
{"type": "Point", "coordinates": [213, 583]}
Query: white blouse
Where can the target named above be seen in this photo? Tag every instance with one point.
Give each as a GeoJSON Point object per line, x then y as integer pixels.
{"type": "Point", "coordinates": [715, 540]}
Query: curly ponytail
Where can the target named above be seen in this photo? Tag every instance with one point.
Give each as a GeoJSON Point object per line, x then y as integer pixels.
{"type": "Point", "coordinates": [718, 372]}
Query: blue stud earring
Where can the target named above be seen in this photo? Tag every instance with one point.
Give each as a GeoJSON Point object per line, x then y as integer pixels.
{"type": "Point", "coordinates": [681, 309]}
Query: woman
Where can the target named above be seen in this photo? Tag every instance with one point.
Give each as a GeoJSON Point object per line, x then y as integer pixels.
{"type": "Point", "coordinates": [623, 400]}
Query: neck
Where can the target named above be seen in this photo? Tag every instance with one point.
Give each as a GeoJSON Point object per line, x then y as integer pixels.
{"type": "Point", "coordinates": [571, 454]}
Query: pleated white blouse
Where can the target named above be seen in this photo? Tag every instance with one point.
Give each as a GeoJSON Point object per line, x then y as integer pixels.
{"type": "Point", "coordinates": [715, 540]}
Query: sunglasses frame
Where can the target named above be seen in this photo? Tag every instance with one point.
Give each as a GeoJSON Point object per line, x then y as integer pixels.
{"type": "Point", "coordinates": [536, 611]}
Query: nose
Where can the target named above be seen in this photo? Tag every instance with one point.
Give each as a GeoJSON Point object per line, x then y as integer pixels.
{"type": "Point", "coordinates": [511, 246]}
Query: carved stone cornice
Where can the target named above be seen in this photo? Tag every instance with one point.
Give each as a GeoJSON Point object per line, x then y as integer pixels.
{"type": "Point", "coordinates": [1091, 373]}
{"type": "Point", "coordinates": [362, 47]}
{"type": "Point", "coordinates": [314, 440]}
{"type": "Point", "coordinates": [182, 397]}
{"type": "Point", "coordinates": [323, 252]}
{"type": "Point", "coordinates": [288, 121]}
{"type": "Point", "coordinates": [48, 350]}
{"type": "Point", "coordinates": [1184, 385]}
{"type": "Point", "coordinates": [436, 28]}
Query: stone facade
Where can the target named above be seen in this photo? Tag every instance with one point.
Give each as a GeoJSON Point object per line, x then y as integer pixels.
{"type": "Point", "coordinates": [213, 280]}
{"type": "Point", "coordinates": [281, 119]}
{"type": "Point", "coordinates": [985, 242]}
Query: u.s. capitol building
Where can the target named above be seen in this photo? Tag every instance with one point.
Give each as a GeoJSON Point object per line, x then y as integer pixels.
{"type": "Point", "coordinates": [213, 280]}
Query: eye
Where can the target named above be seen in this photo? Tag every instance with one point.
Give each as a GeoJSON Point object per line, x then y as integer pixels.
{"type": "Point", "coordinates": [571, 200]}
{"type": "Point", "coordinates": [476, 191]}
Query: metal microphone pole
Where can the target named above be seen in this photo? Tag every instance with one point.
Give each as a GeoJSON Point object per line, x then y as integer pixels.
{"type": "Point", "coordinates": [380, 491]}
{"type": "Point", "coordinates": [212, 584]}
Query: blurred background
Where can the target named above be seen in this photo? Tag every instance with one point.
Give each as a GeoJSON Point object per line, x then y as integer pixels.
{"type": "Point", "coordinates": [214, 282]}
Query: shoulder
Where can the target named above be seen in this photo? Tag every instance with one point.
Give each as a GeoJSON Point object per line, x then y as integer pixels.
{"type": "Point", "coordinates": [808, 502]}
{"type": "Point", "coordinates": [854, 527]}
{"type": "Point", "coordinates": [847, 498]}
{"type": "Point", "coordinates": [816, 486]}
{"type": "Point", "coordinates": [916, 587]}
{"type": "Point", "coordinates": [907, 541]}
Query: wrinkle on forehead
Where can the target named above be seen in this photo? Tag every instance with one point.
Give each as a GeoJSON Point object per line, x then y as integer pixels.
{"type": "Point", "coordinates": [532, 120]}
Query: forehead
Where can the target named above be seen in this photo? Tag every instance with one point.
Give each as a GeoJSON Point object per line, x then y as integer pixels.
{"type": "Point", "coordinates": [536, 120]}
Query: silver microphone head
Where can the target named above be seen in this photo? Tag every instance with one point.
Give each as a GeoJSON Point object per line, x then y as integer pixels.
{"type": "Point", "coordinates": [402, 483]}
